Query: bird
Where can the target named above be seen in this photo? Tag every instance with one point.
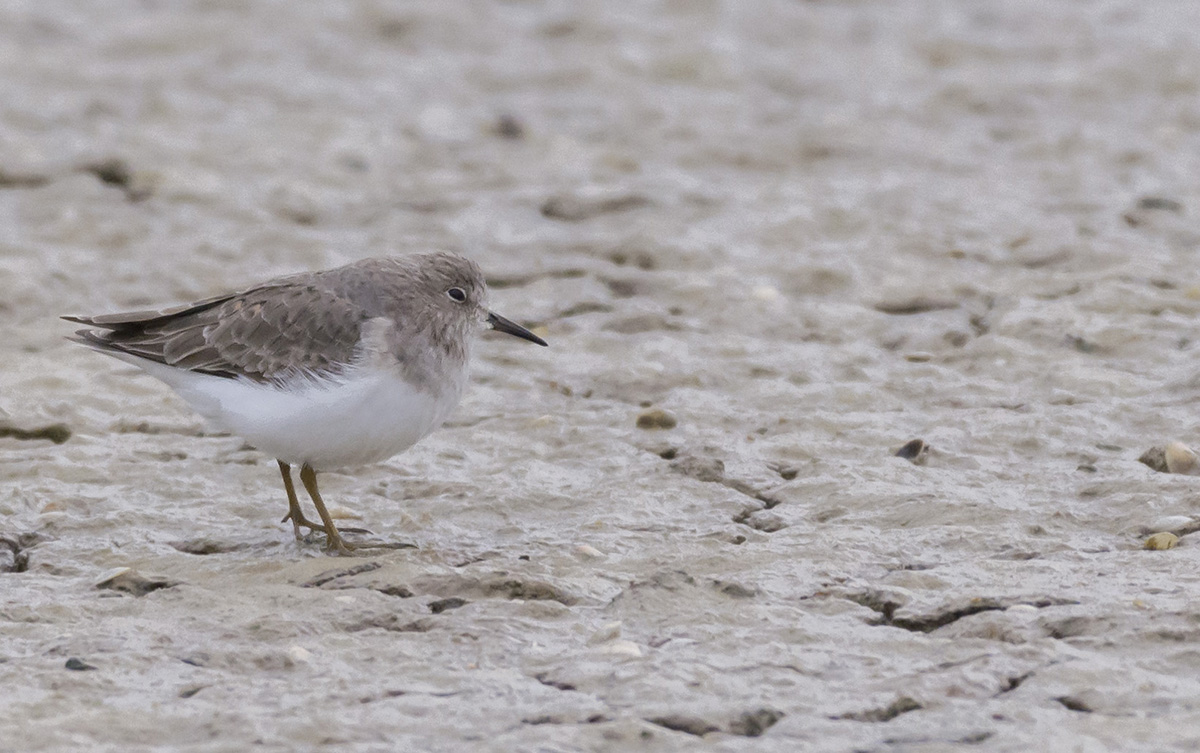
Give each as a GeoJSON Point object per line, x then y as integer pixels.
{"type": "Point", "coordinates": [321, 370]}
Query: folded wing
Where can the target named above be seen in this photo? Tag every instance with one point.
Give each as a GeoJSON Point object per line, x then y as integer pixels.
{"type": "Point", "coordinates": [270, 333]}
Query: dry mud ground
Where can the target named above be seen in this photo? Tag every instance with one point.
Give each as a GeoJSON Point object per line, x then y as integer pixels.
{"type": "Point", "coordinates": [811, 231]}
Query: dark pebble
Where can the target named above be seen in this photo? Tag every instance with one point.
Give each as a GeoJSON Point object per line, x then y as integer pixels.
{"type": "Point", "coordinates": [913, 450]}
{"type": "Point", "coordinates": [754, 723]}
{"type": "Point", "coordinates": [656, 418]}
{"type": "Point", "coordinates": [1155, 458]}
{"type": "Point", "coordinates": [442, 605]}
{"type": "Point", "coordinates": [78, 665]}
{"type": "Point", "coordinates": [508, 127]}
{"type": "Point", "coordinates": [113, 171]}
{"type": "Point", "coordinates": [394, 590]}
{"type": "Point", "coordinates": [918, 305]}
{"type": "Point", "coordinates": [1074, 704]}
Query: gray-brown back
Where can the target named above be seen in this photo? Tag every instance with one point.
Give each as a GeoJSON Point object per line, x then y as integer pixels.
{"type": "Point", "coordinates": [309, 323]}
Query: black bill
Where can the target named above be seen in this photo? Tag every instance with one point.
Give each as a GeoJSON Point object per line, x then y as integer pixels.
{"type": "Point", "coordinates": [500, 324]}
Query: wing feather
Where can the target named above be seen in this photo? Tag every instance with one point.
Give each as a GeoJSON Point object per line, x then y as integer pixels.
{"type": "Point", "coordinates": [267, 333]}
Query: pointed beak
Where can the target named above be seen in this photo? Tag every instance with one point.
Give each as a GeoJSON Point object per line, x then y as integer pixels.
{"type": "Point", "coordinates": [500, 324]}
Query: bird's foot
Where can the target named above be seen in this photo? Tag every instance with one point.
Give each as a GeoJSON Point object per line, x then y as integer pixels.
{"type": "Point", "coordinates": [303, 521]}
{"type": "Point", "coordinates": [335, 544]}
{"type": "Point", "coordinates": [338, 545]}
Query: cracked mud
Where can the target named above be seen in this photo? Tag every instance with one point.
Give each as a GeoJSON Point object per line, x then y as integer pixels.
{"type": "Point", "coordinates": [861, 316]}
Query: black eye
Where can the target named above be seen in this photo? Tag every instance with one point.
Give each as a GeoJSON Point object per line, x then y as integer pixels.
{"type": "Point", "coordinates": [457, 294]}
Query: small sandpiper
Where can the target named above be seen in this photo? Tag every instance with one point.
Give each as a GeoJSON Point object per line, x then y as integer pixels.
{"type": "Point", "coordinates": [322, 370]}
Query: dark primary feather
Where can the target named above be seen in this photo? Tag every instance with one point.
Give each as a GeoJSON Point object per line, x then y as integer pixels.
{"type": "Point", "coordinates": [117, 321]}
{"type": "Point", "coordinates": [265, 333]}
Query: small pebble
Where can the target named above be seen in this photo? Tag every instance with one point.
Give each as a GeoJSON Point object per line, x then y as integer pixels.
{"type": "Point", "coordinates": [1181, 459]}
{"type": "Point", "coordinates": [1171, 523]}
{"type": "Point", "coordinates": [754, 723]}
{"type": "Point", "coordinates": [398, 591]}
{"type": "Point", "coordinates": [191, 690]}
{"type": "Point", "coordinates": [914, 450]}
{"type": "Point", "coordinates": [1074, 704]}
{"type": "Point", "coordinates": [916, 305]}
{"type": "Point", "coordinates": [78, 665]}
{"type": "Point", "coordinates": [445, 605]}
{"type": "Point", "coordinates": [607, 632]}
{"type": "Point", "coordinates": [621, 648]}
{"type": "Point", "coordinates": [338, 512]}
{"type": "Point", "coordinates": [299, 654]}
{"type": "Point", "coordinates": [1155, 458]}
{"type": "Point", "coordinates": [507, 126]}
{"type": "Point", "coordinates": [656, 418]}
{"type": "Point", "coordinates": [1160, 541]}
{"type": "Point", "coordinates": [766, 294]}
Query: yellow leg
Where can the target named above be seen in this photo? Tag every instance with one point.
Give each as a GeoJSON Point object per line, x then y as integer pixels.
{"type": "Point", "coordinates": [333, 539]}
{"type": "Point", "coordinates": [295, 514]}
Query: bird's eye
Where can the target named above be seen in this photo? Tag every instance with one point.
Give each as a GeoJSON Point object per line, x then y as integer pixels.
{"type": "Point", "coordinates": [457, 294]}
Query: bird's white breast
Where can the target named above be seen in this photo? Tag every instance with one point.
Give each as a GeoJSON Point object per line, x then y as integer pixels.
{"type": "Point", "coordinates": [363, 416]}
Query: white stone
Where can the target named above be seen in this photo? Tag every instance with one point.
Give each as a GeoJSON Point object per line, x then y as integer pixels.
{"type": "Point", "coordinates": [621, 648]}
{"type": "Point", "coordinates": [766, 293]}
{"type": "Point", "coordinates": [608, 632]}
{"type": "Point", "coordinates": [1181, 459]}
{"type": "Point", "coordinates": [299, 654]}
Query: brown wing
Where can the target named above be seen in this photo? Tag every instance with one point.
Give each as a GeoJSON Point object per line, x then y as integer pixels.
{"type": "Point", "coordinates": [266, 333]}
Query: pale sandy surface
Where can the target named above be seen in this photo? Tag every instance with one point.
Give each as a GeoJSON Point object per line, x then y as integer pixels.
{"type": "Point", "coordinates": [750, 189]}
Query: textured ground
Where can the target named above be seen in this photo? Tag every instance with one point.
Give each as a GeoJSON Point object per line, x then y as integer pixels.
{"type": "Point", "coordinates": [810, 231]}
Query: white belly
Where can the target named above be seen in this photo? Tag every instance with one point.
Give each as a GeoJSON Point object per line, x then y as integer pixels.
{"type": "Point", "coordinates": [363, 417]}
